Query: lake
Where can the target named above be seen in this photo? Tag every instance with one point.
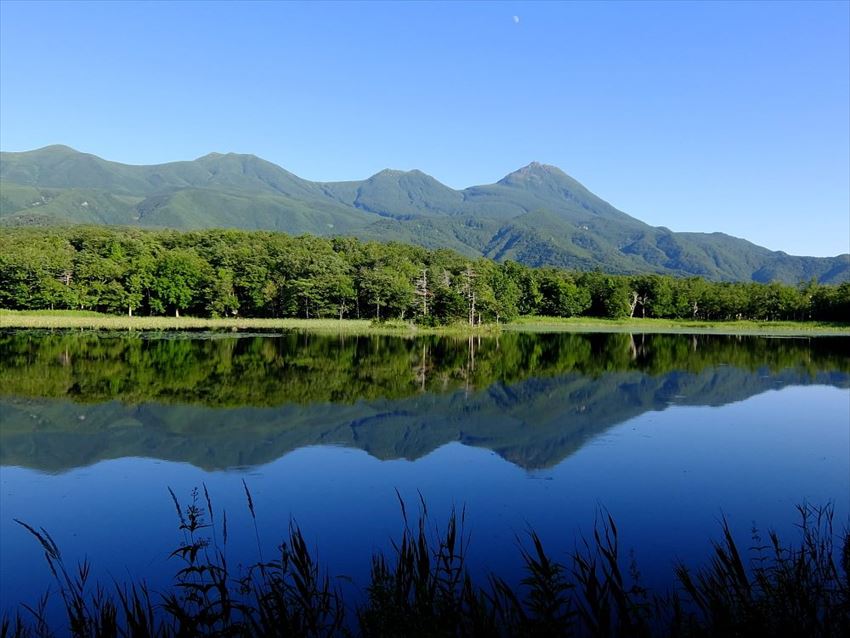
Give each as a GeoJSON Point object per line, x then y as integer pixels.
{"type": "Point", "coordinates": [668, 433]}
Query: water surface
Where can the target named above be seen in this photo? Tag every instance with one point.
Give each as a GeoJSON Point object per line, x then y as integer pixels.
{"type": "Point", "coordinates": [668, 432]}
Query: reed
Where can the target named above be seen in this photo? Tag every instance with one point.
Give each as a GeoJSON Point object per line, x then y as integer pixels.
{"type": "Point", "coordinates": [422, 587]}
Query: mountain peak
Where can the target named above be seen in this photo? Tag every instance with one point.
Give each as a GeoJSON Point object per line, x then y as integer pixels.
{"type": "Point", "coordinates": [396, 172]}
{"type": "Point", "coordinates": [388, 172]}
{"type": "Point", "coordinates": [58, 148]}
{"type": "Point", "coordinates": [231, 156]}
{"type": "Point", "coordinates": [534, 173]}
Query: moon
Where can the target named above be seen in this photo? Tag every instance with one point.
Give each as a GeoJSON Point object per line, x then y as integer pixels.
{"type": "Point", "coordinates": [515, 19]}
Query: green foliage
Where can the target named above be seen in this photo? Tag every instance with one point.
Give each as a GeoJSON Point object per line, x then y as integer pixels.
{"type": "Point", "coordinates": [561, 297]}
{"type": "Point", "coordinates": [609, 295]}
{"type": "Point", "coordinates": [506, 294]}
{"type": "Point", "coordinates": [180, 279]}
{"type": "Point", "coordinates": [386, 288]}
{"type": "Point", "coordinates": [222, 295]}
{"type": "Point", "coordinates": [224, 273]}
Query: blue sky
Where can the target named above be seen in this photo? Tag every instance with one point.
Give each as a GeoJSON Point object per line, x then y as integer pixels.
{"type": "Point", "coordinates": [730, 117]}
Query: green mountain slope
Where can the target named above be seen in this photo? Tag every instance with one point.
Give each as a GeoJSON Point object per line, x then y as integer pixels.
{"type": "Point", "coordinates": [399, 195]}
{"type": "Point", "coordinates": [188, 208]}
{"type": "Point", "coordinates": [537, 215]}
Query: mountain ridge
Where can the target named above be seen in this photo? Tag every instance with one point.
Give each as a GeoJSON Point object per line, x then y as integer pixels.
{"type": "Point", "coordinates": [537, 214]}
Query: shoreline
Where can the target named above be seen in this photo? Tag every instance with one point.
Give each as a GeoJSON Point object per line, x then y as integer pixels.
{"type": "Point", "coordinates": [11, 319]}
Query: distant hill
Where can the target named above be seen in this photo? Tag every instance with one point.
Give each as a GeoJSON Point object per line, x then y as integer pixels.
{"type": "Point", "coordinates": [537, 215]}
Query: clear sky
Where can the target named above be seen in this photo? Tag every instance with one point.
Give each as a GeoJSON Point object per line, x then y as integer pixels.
{"type": "Point", "coordinates": [730, 117]}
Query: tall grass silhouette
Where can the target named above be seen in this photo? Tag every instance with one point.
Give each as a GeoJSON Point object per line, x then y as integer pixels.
{"type": "Point", "coordinates": [422, 587]}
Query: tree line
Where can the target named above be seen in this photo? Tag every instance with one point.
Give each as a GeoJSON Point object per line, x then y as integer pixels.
{"type": "Point", "coordinates": [223, 273]}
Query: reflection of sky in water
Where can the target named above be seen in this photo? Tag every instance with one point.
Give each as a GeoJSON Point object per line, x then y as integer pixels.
{"type": "Point", "coordinates": [667, 477]}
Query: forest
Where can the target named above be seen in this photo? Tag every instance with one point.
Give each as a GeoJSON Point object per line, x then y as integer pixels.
{"type": "Point", "coordinates": [228, 273]}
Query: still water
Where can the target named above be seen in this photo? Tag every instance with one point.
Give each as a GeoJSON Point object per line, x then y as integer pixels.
{"type": "Point", "coordinates": [668, 433]}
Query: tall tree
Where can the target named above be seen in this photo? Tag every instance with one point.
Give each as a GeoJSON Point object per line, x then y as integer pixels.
{"type": "Point", "coordinates": [179, 277]}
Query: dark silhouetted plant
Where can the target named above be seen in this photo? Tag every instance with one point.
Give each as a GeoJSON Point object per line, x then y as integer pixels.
{"type": "Point", "coordinates": [423, 588]}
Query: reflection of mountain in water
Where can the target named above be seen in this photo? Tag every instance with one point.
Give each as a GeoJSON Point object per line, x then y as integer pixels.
{"type": "Point", "coordinates": [533, 423]}
{"type": "Point", "coordinates": [71, 399]}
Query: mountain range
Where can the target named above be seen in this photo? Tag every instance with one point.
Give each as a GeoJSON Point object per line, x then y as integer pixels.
{"type": "Point", "coordinates": [537, 215]}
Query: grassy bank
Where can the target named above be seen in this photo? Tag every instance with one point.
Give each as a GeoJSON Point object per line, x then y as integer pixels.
{"type": "Point", "coordinates": [95, 320]}
{"type": "Point", "coordinates": [44, 319]}
{"type": "Point", "coordinates": [98, 321]}
{"type": "Point", "coordinates": [423, 588]}
{"type": "Point", "coordinates": [677, 326]}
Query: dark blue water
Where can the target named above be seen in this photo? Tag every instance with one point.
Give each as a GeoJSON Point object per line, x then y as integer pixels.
{"type": "Point", "coordinates": [668, 445]}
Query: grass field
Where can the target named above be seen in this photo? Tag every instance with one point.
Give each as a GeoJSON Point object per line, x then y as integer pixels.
{"type": "Point", "coordinates": [92, 320]}
{"type": "Point", "coordinates": [59, 319]}
{"type": "Point", "coordinates": [592, 324]}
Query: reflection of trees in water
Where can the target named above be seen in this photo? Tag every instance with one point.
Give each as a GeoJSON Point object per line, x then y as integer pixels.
{"type": "Point", "coordinates": [532, 399]}
{"type": "Point", "coordinates": [303, 368]}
